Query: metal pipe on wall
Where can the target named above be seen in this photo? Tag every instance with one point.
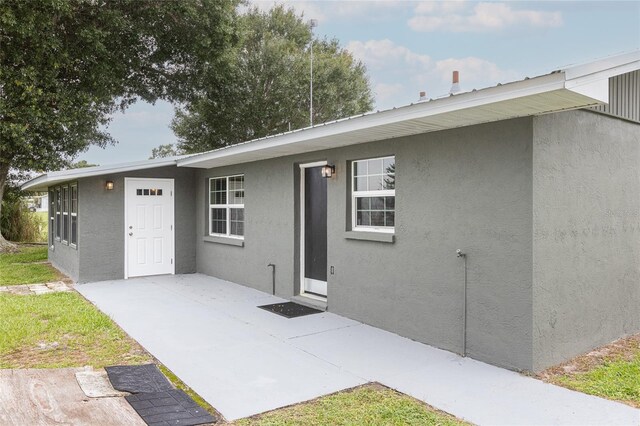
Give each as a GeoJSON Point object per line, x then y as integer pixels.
{"type": "Point", "coordinates": [459, 253]}
{"type": "Point", "coordinates": [273, 277]}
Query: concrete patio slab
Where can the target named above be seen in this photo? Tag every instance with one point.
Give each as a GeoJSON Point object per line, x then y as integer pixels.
{"type": "Point", "coordinates": [244, 360]}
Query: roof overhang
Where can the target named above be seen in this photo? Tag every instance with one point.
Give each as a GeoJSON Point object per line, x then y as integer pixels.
{"type": "Point", "coordinates": [572, 88]}
{"type": "Point", "coordinates": [41, 182]}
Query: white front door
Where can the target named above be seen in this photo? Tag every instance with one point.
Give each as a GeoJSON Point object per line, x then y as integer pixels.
{"type": "Point", "coordinates": [149, 227]}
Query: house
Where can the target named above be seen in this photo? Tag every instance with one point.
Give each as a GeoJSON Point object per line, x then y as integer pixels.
{"type": "Point", "coordinates": [536, 182]}
{"type": "Point", "coordinates": [38, 203]}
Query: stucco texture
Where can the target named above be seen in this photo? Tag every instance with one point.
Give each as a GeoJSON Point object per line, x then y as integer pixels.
{"type": "Point", "coordinates": [468, 188]}
{"type": "Point", "coordinates": [586, 236]}
{"type": "Point", "coordinates": [100, 252]}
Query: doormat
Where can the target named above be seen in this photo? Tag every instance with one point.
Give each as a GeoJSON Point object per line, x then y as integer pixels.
{"type": "Point", "coordinates": [290, 309]}
{"type": "Point", "coordinates": [138, 378]}
{"type": "Point", "coordinates": [171, 407]}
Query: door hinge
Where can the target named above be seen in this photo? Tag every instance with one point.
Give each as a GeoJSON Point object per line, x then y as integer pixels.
{"type": "Point", "coordinates": [172, 227]}
{"type": "Point", "coordinates": [172, 261]}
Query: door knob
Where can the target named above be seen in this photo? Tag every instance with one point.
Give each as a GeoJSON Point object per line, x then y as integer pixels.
{"type": "Point", "coordinates": [130, 234]}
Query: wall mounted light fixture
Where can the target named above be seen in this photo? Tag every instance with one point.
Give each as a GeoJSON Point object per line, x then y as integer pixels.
{"type": "Point", "coordinates": [108, 185]}
{"type": "Point", "coordinates": [328, 171]}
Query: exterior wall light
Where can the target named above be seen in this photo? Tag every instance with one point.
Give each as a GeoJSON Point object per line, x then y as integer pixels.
{"type": "Point", "coordinates": [328, 171]}
{"type": "Point", "coordinates": [108, 185]}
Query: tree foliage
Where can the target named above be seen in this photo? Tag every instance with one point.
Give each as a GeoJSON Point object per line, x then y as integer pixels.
{"type": "Point", "coordinates": [67, 65]}
{"type": "Point", "coordinates": [164, 151]}
{"type": "Point", "coordinates": [82, 164]}
{"type": "Point", "coordinates": [267, 90]}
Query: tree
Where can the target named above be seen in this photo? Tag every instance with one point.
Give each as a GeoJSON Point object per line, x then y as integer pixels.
{"type": "Point", "coordinates": [67, 65]}
{"type": "Point", "coordinates": [82, 164]}
{"type": "Point", "coordinates": [267, 91]}
{"type": "Point", "coordinates": [164, 151]}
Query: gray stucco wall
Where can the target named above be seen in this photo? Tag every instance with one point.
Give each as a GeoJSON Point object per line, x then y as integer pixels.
{"type": "Point", "coordinates": [62, 255]}
{"type": "Point", "coordinates": [586, 244]}
{"type": "Point", "coordinates": [65, 258]}
{"type": "Point", "coordinates": [101, 223]}
{"type": "Point", "coordinates": [467, 188]}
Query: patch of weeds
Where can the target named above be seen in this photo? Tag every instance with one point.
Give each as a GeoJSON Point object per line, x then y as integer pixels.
{"type": "Point", "coordinates": [611, 371]}
{"type": "Point", "coordinates": [181, 385]}
{"type": "Point", "coordinates": [61, 330]}
{"type": "Point", "coordinates": [371, 404]}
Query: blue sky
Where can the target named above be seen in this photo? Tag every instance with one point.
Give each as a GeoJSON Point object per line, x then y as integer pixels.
{"type": "Point", "coordinates": [411, 46]}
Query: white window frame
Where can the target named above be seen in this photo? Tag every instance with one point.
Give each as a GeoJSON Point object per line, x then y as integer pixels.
{"type": "Point", "coordinates": [365, 194]}
{"type": "Point", "coordinates": [73, 214]}
{"type": "Point", "coordinates": [52, 215]}
{"type": "Point", "coordinates": [228, 208]}
{"type": "Point", "coordinates": [65, 214]}
{"type": "Point", "coordinates": [58, 213]}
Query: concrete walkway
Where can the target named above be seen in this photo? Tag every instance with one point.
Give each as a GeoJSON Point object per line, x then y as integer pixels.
{"type": "Point", "coordinates": [244, 360]}
{"type": "Point", "coordinates": [35, 289]}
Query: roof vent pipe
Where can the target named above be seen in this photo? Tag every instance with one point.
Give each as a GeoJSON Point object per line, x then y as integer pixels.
{"type": "Point", "coordinates": [423, 96]}
{"type": "Point", "coordinates": [455, 86]}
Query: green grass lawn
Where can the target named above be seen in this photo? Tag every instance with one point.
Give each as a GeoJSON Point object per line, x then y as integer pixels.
{"type": "Point", "coordinates": [611, 371]}
{"type": "Point", "coordinates": [27, 267]}
{"type": "Point", "coordinates": [618, 380]}
{"type": "Point", "coordinates": [61, 330]}
{"type": "Point", "coordinates": [366, 405]}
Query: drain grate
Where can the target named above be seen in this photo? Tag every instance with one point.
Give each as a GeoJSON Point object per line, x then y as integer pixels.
{"type": "Point", "coordinates": [138, 378]}
{"type": "Point", "coordinates": [172, 407]}
{"type": "Point", "coordinates": [290, 309]}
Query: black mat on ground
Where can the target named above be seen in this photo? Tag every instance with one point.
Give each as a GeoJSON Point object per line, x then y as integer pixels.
{"type": "Point", "coordinates": [290, 309]}
{"type": "Point", "coordinates": [138, 378]}
{"type": "Point", "coordinates": [172, 407]}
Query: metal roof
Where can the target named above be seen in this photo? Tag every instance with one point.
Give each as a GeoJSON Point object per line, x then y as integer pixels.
{"type": "Point", "coordinates": [576, 87]}
{"type": "Point", "coordinates": [43, 181]}
{"type": "Point", "coordinates": [571, 88]}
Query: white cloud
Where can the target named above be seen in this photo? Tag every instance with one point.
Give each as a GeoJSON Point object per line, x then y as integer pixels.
{"type": "Point", "coordinates": [386, 93]}
{"type": "Point", "coordinates": [440, 6]}
{"type": "Point", "coordinates": [398, 74]}
{"type": "Point", "coordinates": [330, 10]}
{"type": "Point", "coordinates": [380, 53]}
{"type": "Point", "coordinates": [456, 16]}
{"type": "Point", "coordinates": [474, 72]}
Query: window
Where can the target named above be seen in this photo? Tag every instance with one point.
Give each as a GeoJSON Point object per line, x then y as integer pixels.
{"type": "Point", "coordinates": [74, 215]}
{"type": "Point", "coordinates": [144, 192]}
{"type": "Point", "coordinates": [58, 214]}
{"type": "Point", "coordinates": [52, 216]}
{"type": "Point", "coordinates": [65, 214]}
{"type": "Point", "coordinates": [373, 199]}
{"type": "Point", "coordinates": [226, 206]}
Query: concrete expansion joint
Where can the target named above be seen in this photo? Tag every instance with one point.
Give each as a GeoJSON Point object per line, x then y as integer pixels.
{"type": "Point", "coordinates": [324, 331]}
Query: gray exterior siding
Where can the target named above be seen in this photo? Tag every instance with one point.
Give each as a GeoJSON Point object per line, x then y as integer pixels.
{"type": "Point", "coordinates": [468, 188]}
{"type": "Point", "coordinates": [624, 96]}
{"type": "Point", "coordinates": [586, 238]}
{"type": "Point", "coordinates": [62, 255]}
{"type": "Point", "coordinates": [100, 252]}
{"type": "Point", "coordinates": [65, 258]}
{"type": "Point", "coordinates": [547, 209]}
